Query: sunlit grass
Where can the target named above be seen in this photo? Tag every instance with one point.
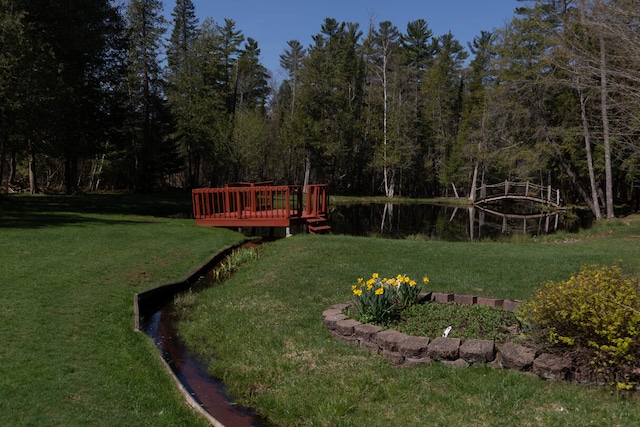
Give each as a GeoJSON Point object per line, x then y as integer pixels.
{"type": "Point", "coordinates": [263, 335]}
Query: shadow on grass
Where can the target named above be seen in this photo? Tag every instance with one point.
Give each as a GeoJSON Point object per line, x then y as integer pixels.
{"type": "Point", "coordinates": [26, 211]}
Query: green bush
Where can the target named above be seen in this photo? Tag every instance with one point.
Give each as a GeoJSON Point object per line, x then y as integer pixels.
{"type": "Point", "coordinates": [597, 308]}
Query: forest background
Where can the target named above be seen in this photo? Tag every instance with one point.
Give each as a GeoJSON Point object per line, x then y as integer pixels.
{"type": "Point", "coordinates": [100, 96]}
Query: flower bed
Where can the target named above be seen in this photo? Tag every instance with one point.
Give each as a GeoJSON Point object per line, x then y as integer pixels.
{"type": "Point", "coordinates": [407, 350]}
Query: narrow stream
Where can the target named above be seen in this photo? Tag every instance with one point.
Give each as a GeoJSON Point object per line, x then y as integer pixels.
{"type": "Point", "coordinates": [207, 392]}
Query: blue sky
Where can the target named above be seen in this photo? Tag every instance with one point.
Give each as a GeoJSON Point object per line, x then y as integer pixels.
{"type": "Point", "coordinates": [273, 23]}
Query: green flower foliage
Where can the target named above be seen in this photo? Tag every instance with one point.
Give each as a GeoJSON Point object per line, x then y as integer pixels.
{"type": "Point", "coordinates": [599, 307]}
{"type": "Point", "coordinates": [380, 300]}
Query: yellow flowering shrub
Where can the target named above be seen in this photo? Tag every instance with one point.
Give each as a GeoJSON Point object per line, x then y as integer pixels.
{"type": "Point", "coordinates": [599, 307]}
{"type": "Point", "coordinates": [379, 300]}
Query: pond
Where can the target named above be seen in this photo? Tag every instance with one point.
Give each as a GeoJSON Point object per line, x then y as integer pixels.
{"type": "Point", "coordinates": [450, 223]}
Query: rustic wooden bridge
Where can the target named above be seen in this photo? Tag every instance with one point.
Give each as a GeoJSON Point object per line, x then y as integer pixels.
{"type": "Point", "coordinates": [518, 191]}
{"type": "Point", "coordinates": [538, 223]}
{"type": "Point", "coordinates": [262, 205]}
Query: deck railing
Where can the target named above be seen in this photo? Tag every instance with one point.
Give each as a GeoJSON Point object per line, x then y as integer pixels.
{"type": "Point", "coordinates": [248, 202]}
{"type": "Point", "coordinates": [317, 200]}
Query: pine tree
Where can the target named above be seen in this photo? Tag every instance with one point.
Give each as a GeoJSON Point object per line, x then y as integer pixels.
{"type": "Point", "coordinates": [471, 150]}
{"type": "Point", "coordinates": [65, 75]}
{"type": "Point", "coordinates": [146, 27]}
{"type": "Point", "coordinates": [332, 82]}
{"type": "Point", "coordinates": [442, 90]}
{"type": "Point", "coordinates": [291, 62]}
{"type": "Point", "coordinates": [12, 45]}
{"type": "Point", "coordinates": [252, 88]}
{"type": "Point", "coordinates": [183, 86]}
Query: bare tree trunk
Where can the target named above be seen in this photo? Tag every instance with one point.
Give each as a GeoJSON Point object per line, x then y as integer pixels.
{"type": "Point", "coordinates": [307, 171]}
{"type": "Point", "coordinates": [3, 152]}
{"type": "Point", "coordinates": [388, 188]}
{"type": "Point", "coordinates": [33, 185]}
{"type": "Point", "coordinates": [13, 166]}
{"type": "Point", "coordinates": [587, 146]}
{"type": "Point", "coordinates": [70, 174]}
{"type": "Point", "coordinates": [472, 192]}
{"type": "Point", "coordinates": [605, 130]}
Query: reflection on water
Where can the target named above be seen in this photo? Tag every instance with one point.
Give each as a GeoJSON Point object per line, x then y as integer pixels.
{"type": "Point", "coordinates": [451, 223]}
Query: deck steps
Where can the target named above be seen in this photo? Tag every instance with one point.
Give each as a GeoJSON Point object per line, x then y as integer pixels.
{"type": "Point", "coordinates": [317, 225]}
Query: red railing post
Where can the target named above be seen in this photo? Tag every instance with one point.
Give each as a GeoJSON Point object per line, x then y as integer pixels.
{"type": "Point", "coordinates": [196, 204]}
{"type": "Point", "coordinates": [239, 204]}
{"type": "Point", "coordinates": [205, 205]}
{"type": "Point", "coordinates": [288, 201]}
{"type": "Point", "coordinates": [227, 200]}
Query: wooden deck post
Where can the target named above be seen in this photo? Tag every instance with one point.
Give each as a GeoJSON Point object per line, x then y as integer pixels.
{"type": "Point", "coordinates": [227, 200]}
{"type": "Point", "coordinates": [239, 204]}
{"type": "Point", "coordinates": [287, 199]}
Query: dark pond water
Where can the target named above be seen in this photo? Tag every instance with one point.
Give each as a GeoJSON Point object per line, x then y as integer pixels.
{"type": "Point", "coordinates": [437, 222]}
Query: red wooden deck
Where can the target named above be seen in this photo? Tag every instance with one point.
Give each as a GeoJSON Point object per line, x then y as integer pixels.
{"type": "Point", "coordinates": [262, 205]}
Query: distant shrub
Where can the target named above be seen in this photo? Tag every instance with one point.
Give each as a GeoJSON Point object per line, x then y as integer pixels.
{"type": "Point", "coordinates": [597, 308]}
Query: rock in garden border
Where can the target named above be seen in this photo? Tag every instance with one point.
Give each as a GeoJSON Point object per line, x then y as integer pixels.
{"type": "Point", "coordinates": [406, 350]}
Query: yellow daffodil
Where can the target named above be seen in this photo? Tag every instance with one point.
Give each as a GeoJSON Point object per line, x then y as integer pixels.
{"type": "Point", "coordinates": [425, 280]}
{"type": "Point", "coordinates": [375, 275]}
{"type": "Point", "coordinates": [357, 292]}
{"type": "Point", "coordinates": [380, 291]}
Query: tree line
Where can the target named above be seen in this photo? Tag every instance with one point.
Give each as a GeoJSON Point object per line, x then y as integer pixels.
{"type": "Point", "coordinates": [98, 96]}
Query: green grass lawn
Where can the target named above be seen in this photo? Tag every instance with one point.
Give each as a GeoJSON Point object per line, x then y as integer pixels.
{"type": "Point", "coordinates": [262, 333]}
{"type": "Point", "coordinates": [69, 355]}
{"type": "Point", "coordinates": [70, 266]}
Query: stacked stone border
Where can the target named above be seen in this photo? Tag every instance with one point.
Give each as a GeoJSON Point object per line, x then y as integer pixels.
{"type": "Point", "coordinates": [407, 350]}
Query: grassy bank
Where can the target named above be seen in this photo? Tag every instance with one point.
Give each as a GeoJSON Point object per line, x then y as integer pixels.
{"type": "Point", "coordinates": [263, 334]}
{"type": "Point", "coordinates": [69, 269]}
